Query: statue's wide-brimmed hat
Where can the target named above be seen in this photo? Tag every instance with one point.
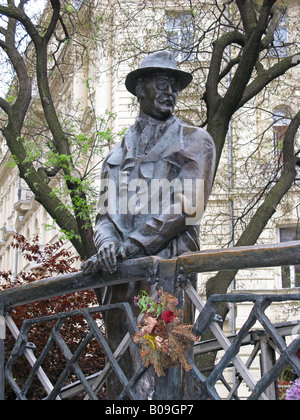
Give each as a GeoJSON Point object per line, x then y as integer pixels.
{"type": "Point", "coordinates": [158, 61]}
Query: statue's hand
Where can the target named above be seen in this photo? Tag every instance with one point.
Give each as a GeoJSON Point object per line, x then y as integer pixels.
{"type": "Point", "coordinates": [108, 256]}
{"type": "Point", "coordinates": [90, 266]}
{"type": "Point", "coordinates": [106, 260]}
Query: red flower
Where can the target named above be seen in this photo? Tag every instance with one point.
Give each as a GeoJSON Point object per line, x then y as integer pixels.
{"type": "Point", "coordinates": [167, 316]}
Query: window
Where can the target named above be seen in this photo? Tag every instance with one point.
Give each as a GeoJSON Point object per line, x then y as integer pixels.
{"type": "Point", "coordinates": [77, 4]}
{"type": "Point", "coordinates": [280, 39]}
{"type": "Point", "coordinates": [180, 35]}
{"type": "Point", "coordinates": [281, 119]}
{"type": "Point", "coordinates": [290, 274]}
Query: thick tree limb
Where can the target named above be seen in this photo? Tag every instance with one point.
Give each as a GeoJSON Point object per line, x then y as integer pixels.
{"type": "Point", "coordinates": [221, 109]}
{"type": "Point", "coordinates": [248, 59]}
{"type": "Point", "coordinates": [267, 209]}
{"type": "Point", "coordinates": [212, 96]}
{"type": "Point", "coordinates": [4, 105]}
{"type": "Point", "coordinates": [248, 15]}
{"type": "Point", "coordinates": [265, 77]}
{"type": "Point", "coordinates": [18, 110]}
{"type": "Point", "coordinates": [273, 25]}
{"type": "Point", "coordinates": [54, 19]}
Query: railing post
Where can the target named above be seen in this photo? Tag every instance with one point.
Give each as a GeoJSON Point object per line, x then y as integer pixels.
{"type": "Point", "coordinates": [176, 385]}
{"type": "Point", "coordinates": [2, 355]}
{"type": "Point", "coordinates": [267, 361]}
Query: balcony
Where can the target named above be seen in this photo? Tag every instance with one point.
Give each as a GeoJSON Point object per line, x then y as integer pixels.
{"type": "Point", "coordinates": [24, 199]}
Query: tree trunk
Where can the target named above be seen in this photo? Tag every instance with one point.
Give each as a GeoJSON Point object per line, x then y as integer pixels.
{"type": "Point", "coordinates": [220, 283]}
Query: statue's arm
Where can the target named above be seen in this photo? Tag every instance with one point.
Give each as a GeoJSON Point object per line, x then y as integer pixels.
{"type": "Point", "coordinates": [104, 231]}
{"type": "Point", "coordinates": [106, 236]}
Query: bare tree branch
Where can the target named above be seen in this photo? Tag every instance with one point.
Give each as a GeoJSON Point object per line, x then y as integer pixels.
{"type": "Point", "coordinates": [20, 15]}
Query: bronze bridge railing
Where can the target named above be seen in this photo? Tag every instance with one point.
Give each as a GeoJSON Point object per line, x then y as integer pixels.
{"type": "Point", "coordinates": [173, 275]}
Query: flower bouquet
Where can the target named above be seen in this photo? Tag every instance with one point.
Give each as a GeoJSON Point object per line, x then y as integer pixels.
{"type": "Point", "coordinates": [293, 392]}
{"type": "Point", "coordinates": [164, 339]}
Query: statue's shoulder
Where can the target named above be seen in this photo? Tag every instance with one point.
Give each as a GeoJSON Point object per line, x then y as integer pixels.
{"type": "Point", "coordinates": [196, 137]}
{"type": "Point", "coordinates": [123, 150]}
{"type": "Point", "coordinates": [114, 157]}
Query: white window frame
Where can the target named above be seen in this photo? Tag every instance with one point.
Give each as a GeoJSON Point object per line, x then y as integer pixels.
{"type": "Point", "coordinates": [292, 268]}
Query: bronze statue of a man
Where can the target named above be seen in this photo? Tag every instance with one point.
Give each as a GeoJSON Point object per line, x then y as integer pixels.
{"type": "Point", "coordinates": [158, 147]}
{"type": "Point", "coordinates": [154, 186]}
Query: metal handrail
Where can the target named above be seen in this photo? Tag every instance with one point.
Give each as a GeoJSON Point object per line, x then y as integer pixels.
{"type": "Point", "coordinates": [129, 271]}
{"type": "Point", "coordinates": [148, 268]}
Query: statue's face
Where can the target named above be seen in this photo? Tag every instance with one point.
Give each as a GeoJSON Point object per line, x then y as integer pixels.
{"type": "Point", "coordinates": [160, 95]}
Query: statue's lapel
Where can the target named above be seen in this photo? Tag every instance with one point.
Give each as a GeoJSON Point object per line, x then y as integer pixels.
{"type": "Point", "coordinates": [123, 154]}
{"type": "Point", "coordinates": [168, 140]}
{"type": "Point", "coordinates": [170, 148]}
